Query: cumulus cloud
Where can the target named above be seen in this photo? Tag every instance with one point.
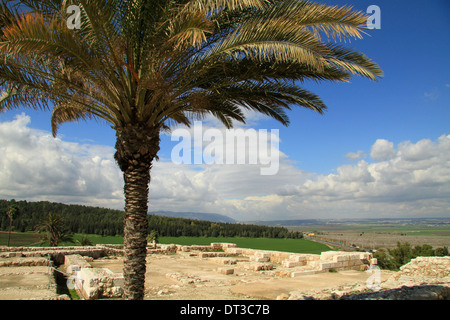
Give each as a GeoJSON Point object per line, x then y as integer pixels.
{"type": "Point", "coordinates": [382, 150]}
{"type": "Point", "coordinates": [410, 179]}
{"type": "Point", "coordinates": [355, 155]}
{"type": "Point", "coordinates": [36, 166]}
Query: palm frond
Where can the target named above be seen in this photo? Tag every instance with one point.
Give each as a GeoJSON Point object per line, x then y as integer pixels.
{"type": "Point", "coordinates": [214, 6]}
{"type": "Point", "coordinates": [167, 62]}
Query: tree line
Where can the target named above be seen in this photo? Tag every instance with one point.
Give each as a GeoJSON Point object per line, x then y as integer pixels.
{"type": "Point", "coordinates": [393, 259]}
{"type": "Point", "coordinates": [109, 222]}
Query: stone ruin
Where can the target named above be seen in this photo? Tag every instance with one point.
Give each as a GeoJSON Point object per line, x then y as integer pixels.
{"type": "Point", "coordinates": [97, 283]}
{"type": "Point", "coordinates": [283, 264]}
{"type": "Point", "coordinates": [90, 283]}
{"type": "Point", "coordinates": [423, 278]}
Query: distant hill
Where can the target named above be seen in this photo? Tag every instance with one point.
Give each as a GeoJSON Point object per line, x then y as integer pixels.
{"type": "Point", "coordinates": [213, 217]}
{"type": "Point", "coordinates": [287, 222]}
{"type": "Point", "coordinates": [361, 221]}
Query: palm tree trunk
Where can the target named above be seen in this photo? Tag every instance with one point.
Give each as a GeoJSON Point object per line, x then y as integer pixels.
{"type": "Point", "coordinates": [136, 147]}
{"type": "Point", "coordinates": [135, 231]}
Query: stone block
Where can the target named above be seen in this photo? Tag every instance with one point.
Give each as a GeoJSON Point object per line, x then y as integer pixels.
{"type": "Point", "coordinates": [24, 262]}
{"type": "Point", "coordinates": [100, 283]}
{"type": "Point", "coordinates": [339, 265]}
{"type": "Point", "coordinates": [353, 263]}
{"type": "Point", "coordinates": [223, 245]}
{"type": "Point", "coordinates": [263, 254]}
{"type": "Point", "coordinates": [225, 270]}
{"type": "Point", "coordinates": [298, 258]}
{"type": "Point", "coordinates": [75, 262]}
{"type": "Point", "coordinates": [221, 260]}
{"type": "Point", "coordinates": [259, 259]}
{"type": "Point", "coordinates": [292, 264]}
{"type": "Point", "coordinates": [326, 265]}
{"type": "Point", "coordinates": [365, 255]}
{"type": "Point", "coordinates": [329, 255]}
{"type": "Point", "coordinates": [302, 273]}
{"type": "Point", "coordinates": [255, 266]}
{"type": "Point", "coordinates": [237, 251]}
{"type": "Point", "coordinates": [283, 273]}
{"type": "Point", "coordinates": [341, 258]}
{"type": "Point", "coordinates": [313, 257]}
{"type": "Point", "coordinates": [247, 252]}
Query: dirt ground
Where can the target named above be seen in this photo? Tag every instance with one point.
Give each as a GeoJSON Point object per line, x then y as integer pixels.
{"type": "Point", "coordinates": [25, 283]}
{"type": "Point", "coordinates": [182, 277]}
{"type": "Point", "coordinates": [198, 279]}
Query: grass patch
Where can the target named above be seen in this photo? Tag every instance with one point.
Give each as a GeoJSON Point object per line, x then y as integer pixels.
{"type": "Point", "coordinates": [20, 239]}
{"type": "Point", "coordinates": [286, 245]}
{"type": "Point", "coordinates": [95, 239]}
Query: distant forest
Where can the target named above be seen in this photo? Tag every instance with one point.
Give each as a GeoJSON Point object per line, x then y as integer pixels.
{"type": "Point", "coordinates": [109, 222]}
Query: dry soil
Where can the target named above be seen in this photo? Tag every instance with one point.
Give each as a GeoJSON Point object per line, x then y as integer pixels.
{"type": "Point", "coordinates": [181, 277]}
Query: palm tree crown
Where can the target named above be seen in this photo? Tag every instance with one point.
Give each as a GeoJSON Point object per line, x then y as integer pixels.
{"type": "Point", "coordinates": [144, 66]}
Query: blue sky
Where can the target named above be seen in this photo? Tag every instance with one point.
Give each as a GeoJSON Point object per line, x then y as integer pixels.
{"type": "Point", "coordinates": [408, 110]}
{"type": "Point", "coordinates": [410, 102]}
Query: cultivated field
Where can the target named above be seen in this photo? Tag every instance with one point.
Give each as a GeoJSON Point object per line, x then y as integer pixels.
{"type": "Point", "coordinates": [381, 236]}
{"type": "Point", "coordinates": [287, 245]}
{"type": "Point", "coordinates": [20, 239]}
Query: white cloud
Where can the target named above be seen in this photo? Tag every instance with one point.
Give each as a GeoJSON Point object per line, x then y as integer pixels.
{"type": "Point", "coordinates": [412, 179]}
{"type": "Point", "coordinates": [382, 150]}
{"type": "Point", "coordinates": [355, 155]}
{"type": "Point", "coordinates": [36, 166]}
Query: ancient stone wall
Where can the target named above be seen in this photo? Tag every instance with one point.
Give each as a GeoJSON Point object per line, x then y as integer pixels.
{"type": "Point", "coordinates": [301, 263]}
{"type": "Point", "coordinates": [436, 267]}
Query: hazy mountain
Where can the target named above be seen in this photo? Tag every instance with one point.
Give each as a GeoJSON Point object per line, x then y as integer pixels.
{"type": "Point", "coordinates": [286, 222]}
{"type": "Point", "coordinates": [362, 221]}
{"type": "Point", "coordinates": [214, 217]}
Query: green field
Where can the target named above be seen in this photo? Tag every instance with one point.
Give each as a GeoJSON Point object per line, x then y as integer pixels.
{"type": "Point", "coordinates": [20, 239]}
{"type": "Point", "coordinates": [287, 245]}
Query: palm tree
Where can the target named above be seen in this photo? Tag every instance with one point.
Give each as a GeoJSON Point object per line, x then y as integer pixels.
{"type": "Point", "coordinates": [12, 212]}
{"type": "Point", "coordinates": [145, 66]}
{"type": "Point", "coordinates": [84, 241]}
{"type": "Point", "coordinates": [153, 238]}
{"type": "Point", "coordinates": [55, 231]}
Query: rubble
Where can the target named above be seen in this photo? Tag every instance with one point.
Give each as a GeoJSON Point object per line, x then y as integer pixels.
{"type": "Point", "coordinates": [97, 283]}
{"type": "Point", "coordinates": [422, 278]}
{"type": "Point", "coordinates": [185, 279]}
